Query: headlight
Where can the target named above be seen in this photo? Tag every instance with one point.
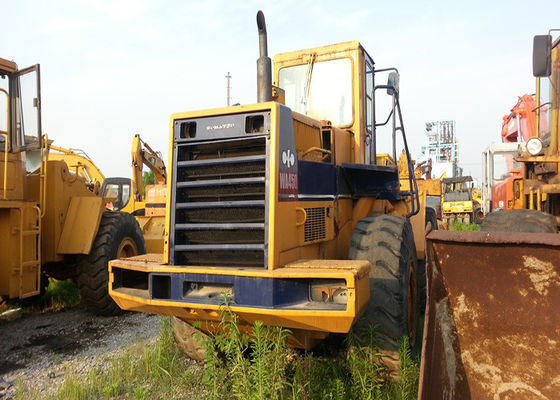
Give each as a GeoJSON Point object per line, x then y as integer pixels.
{"type": "Point", "coordinates": [534, 146]}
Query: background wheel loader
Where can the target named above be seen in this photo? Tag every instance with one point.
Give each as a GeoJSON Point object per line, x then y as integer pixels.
{"type": "Point", "coordinates": [492, 321]}
{"type": "Point", "coordinates": [287, 208]}
{"type": "Point", "coordinates": [52, 219]}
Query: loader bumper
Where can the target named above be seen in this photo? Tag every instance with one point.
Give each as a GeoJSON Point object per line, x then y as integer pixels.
{"type": "Point", "coordinates": [492, 327]}
{"type": "Point", "coordinates": [314, 297]}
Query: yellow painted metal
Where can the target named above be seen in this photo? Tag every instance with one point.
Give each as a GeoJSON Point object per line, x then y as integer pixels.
{"type": "Point", "coordinates": [79, 162]}
{"type": "Point", "coordinates": [354, 273]}
{"type": "Point", "coordinates": [6, 139]}
{"type": "Point", "coordinates": [153, 229]}
{"type": "Point", "coordinates": [457, 207]}
{"type": "Point", "coordinates": [143, 154]}
{"type": "Point", "coordinates": [20, 248]}
{"type": "Point", "coordinates": [350, 50]}
{"type": "Point", "coordinates": [80, 225]}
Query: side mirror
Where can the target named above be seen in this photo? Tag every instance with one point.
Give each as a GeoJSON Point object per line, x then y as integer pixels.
{"type": "Point", "coordinates": [393, 80]}
{"type": "Point", "coordinates": [542, 45]}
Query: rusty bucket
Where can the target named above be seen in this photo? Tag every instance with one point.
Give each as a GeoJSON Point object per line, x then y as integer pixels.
{"type": "Point", "coordinates": [492, 327]}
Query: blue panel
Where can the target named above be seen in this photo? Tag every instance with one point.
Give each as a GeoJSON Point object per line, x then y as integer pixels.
{"type": "Point", "coordinates": [247, 291]}
{"type": "Point", "coordinates": [316, 178]}
{"type": "Point", "coordinates": [372, 180]}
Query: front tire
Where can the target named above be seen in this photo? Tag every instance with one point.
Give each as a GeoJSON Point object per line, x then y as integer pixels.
{"type": "Point", "coordinates": [188, 338]}
{"type": "Point", "coordinates": [387, 242]}
{"type": "Point", "coordinates": [118, 236]}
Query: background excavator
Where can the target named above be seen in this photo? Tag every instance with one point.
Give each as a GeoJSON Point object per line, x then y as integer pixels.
{"type": "Point", "coordinates": [130, 192]}
{"type": "Point", "coordinates": [127, 194]}
{"type": "Point", "coordinates": [491, 328]}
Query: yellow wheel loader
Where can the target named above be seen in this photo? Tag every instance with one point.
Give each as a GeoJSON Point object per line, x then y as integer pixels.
{"type": "Point", "coordinates": [52, 219]}
{"type": "Point", "coordinates": [287, 209]}
{"type": "Point", "coordinates": [492, 322]}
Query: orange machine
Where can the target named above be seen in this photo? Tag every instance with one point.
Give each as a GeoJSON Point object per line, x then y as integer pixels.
{"type": "Point", "coordinates": [517, 127]}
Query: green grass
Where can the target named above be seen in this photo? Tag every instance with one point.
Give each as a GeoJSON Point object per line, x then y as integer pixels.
{"type": "Point", "coordinates": [238, 366]}
{"type": "Point", "coordinates": [156, 372]}
{"type": "Point", "coordinates": [61, 294]}
{"type": "Point", "coordinates": [261, 366]}
{"type": "Point", "coordinates": [56, 296]}
{"type": "Point", "coordinates": [461, 226]}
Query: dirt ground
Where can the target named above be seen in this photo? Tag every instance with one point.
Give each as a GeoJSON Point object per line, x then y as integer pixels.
{"type": "Point", "coordinates": [41, 349]}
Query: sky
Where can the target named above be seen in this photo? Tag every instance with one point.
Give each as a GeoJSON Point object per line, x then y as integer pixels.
{"type": "Point", "coordinates": [111, 69]}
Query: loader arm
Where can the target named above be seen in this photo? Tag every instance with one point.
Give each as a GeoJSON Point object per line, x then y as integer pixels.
{"type": "Point", "coordinates": [79, 162]}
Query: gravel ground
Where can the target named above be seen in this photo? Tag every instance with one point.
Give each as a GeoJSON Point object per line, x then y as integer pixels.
{"type": "Point", "coordinates": [41, 348]}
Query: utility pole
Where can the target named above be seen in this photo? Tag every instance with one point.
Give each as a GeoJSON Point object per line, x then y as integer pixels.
{"type": "Point", "coordinates": [228, 89]}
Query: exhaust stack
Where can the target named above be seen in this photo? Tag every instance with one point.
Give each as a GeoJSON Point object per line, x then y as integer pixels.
{"type": "Point", "coordinates": [264, 64]}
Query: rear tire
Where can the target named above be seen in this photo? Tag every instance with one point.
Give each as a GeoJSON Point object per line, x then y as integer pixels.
{"type": "Point", "coordinates": [387, 242]}
{"type": "Point", "coordinates": [188, 338]}
{"type": "Point", "coordinates": [531, 221]}
{"type": "Point", "coordinates": [478, 215]}
{"type": "Point", "coordinates": [431, 217]}
{"type": "Point", "coordinates": [118, 236]}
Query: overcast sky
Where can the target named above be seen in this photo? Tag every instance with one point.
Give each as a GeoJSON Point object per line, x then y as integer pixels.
{"type": "Point", "coordinates": [111, 69]}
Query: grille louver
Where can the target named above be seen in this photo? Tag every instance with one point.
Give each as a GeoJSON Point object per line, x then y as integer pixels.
{"type": "Point", "coordinates": [219, 216]}
{"type": "Point", "coordinates": [314, 228]}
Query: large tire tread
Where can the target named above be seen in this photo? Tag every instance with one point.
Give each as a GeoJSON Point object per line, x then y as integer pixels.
{"type": "Point", "coordinates": [387, 242]}
{"type": "Point", "coordinates": [93, 274]}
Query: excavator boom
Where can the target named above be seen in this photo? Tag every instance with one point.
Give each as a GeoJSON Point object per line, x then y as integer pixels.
{"type": "Point", "coordinates": [143, 154]}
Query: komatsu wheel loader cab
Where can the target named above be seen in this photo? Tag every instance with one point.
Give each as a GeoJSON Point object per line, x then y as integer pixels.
{"type": "Point", "coordinates": [287, 209]}
{"type": "Point", "coordinates": [52, 220]}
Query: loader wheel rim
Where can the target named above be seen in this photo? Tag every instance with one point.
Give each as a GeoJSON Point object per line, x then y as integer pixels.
{"type": "Point", "coordinates": [411, 305]}
{"type": "Point", "coordinates": [127, 248]}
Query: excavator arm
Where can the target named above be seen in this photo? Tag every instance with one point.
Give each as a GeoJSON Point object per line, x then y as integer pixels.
{"type": "Point", "coordinates": [143, 154]}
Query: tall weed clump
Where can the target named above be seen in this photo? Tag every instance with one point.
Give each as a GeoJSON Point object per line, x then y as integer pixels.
{"type": "Point", "coordinates": [258, 365]}
{"type": "Point", "coordinates": [245, 367]}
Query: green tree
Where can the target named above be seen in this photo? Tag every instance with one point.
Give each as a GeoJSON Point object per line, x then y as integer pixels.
{"type": "Point", "coordinates": [148, 178]}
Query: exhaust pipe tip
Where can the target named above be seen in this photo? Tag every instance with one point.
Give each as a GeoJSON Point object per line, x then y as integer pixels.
{"type": "Point", "coordinates": [264, 64]}
{"type": "Point", "coordinates": [261, 24]}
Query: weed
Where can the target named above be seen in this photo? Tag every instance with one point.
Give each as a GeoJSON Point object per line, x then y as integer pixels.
{"type": "Point", "coordinates": [60, 294]}
{"type": "Point", "coordinates": [243, 366]}
{"type": "Point", "coordinates": [461, 226]}
{"type": "Point", "coordinates": [261, 366]}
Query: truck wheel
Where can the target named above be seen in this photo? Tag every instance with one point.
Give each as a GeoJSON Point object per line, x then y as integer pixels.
{"type": "Point", "coordinates": [531, 221]}
{"type": "Point", "coordinates": [387, 242]}
{"type": "Point", "coordinates": [431, 217]}
{"type": "Point", "coordinates": [188, 338]}
{"type": "Point", "coordinates": [478, 215]}
{"type": "Point", "coordinates": [118, 236]}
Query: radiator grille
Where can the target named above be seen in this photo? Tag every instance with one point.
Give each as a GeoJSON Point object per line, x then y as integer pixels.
{"type": "Point", "coordinates": [314, 228]}
{"type": "Point", "coordinates": [219, 215]}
